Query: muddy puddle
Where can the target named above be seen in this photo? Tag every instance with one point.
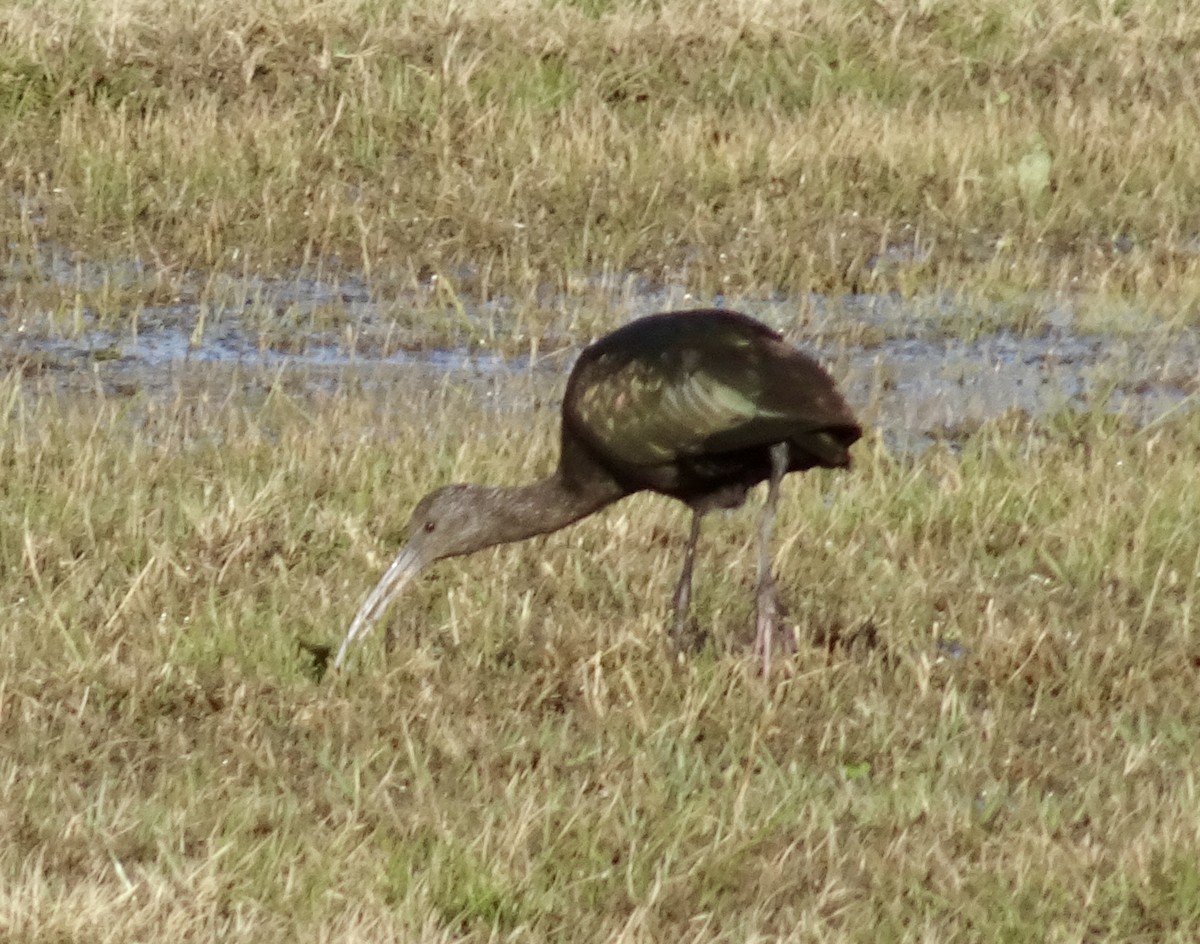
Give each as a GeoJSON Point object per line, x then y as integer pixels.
{"type": "Point", "coordinates": [909, 367]}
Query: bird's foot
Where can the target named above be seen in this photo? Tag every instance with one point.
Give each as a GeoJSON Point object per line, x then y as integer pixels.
{"type": "Point", "coordinates": [686, 638]}
{"type": "Point", "coordinates": [773, 634]}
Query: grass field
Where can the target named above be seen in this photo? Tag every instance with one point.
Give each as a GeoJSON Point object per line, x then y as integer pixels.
{"type": "Point", "coordinates": [527, 763]}
{"type": "Point", "coordinates": [989, 731]}
{"type": "Point", "coordinates": [978, 150]}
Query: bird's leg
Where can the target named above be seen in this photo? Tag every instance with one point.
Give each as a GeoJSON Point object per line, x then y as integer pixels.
{"type": "Point", "coordinates": [683, 591]}
{"type": "Point", "coordinates": [767, 599]}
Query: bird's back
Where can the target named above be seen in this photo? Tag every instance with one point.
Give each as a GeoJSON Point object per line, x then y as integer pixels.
{"type": "Point", "coordinates": [688, 402]}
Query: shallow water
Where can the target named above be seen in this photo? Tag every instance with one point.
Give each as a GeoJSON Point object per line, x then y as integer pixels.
{"type": "Point", "coordinates": [914, 376]}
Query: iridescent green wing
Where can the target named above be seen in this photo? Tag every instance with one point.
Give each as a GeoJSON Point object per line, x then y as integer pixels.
{"type": "Point", "coordinates": [656, 407]}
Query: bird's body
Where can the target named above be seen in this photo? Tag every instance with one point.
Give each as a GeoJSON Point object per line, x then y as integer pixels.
{"type": "Point", "coordinates": [700, 406]}
{"type": "Point", "coordinates": [688, 404]}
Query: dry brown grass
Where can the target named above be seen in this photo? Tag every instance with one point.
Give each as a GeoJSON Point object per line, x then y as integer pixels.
{"type": "Point", "coordinates": [513, 146]}
{"type": "Point", "coordinates": [989, 730]}
{"type": "Point", "coordinates": [527, 764]}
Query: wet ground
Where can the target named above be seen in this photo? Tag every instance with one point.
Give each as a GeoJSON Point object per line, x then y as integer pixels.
{"type": "Point", "coordinates": [920, 371]}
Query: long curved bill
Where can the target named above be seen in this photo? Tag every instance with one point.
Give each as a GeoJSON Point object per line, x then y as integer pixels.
{"type": "Point", "coordinates": [406, 566]}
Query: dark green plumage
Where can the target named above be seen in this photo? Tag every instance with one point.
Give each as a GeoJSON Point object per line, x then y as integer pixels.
{"type": "Point", "coordinates": [689, 404]}
{"type": "Point", "coordinates": [697, 405]}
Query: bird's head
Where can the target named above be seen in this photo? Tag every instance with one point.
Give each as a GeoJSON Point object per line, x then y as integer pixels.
{"type": "Point", "coordinates": [447, 522]}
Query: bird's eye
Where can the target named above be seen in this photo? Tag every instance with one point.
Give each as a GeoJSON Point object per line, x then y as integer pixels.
{"type": "Point", "coordinates": [429, 527]}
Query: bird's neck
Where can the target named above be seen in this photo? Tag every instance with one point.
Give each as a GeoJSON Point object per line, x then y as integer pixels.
{"type": "Point", "coordinates": [524, 511]}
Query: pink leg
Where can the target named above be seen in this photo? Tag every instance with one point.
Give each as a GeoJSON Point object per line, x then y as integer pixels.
{"type": "Point", "coordinates": [683, 591]}
{"type": "Point", "coordinates": [767, 599]}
